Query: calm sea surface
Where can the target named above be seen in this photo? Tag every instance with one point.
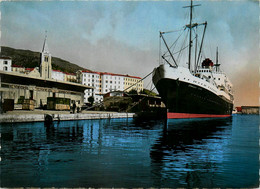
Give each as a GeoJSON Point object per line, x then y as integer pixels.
{"type": "Point", "coordinates": [126, 153]}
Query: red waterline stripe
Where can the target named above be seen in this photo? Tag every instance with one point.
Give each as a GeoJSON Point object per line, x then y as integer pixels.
{"type": "Point", "coordinates": [171, 115]}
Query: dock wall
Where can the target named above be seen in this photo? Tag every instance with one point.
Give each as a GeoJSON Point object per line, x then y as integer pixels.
{"type": "Point", "coordinates": [9, 118]}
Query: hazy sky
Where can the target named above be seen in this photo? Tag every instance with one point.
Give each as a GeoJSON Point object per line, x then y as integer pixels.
{"type": "Point", "coordinates": [123, 37]}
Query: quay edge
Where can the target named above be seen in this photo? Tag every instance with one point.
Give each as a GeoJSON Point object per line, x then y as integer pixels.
{"type": "Point", "coordinates": [14, 118]}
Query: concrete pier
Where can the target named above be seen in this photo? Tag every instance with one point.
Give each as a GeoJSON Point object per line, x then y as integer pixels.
{"type": "Point", "coordinates": [31, 116]}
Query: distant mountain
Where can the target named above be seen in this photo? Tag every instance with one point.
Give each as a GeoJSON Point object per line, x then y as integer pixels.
{"type": "Point", "coordinates": [31, 59]}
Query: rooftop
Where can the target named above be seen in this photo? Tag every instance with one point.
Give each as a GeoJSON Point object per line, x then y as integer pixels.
{"type": "Point", "coordinates": [22, 79]}
{"type": "Point", "coordinates": [5, 57]}
{"type": "Point", "coordinates": [108, 73]}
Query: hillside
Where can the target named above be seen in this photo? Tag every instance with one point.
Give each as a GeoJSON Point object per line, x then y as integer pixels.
{"type": "Point", "coordinates": [30, 59]}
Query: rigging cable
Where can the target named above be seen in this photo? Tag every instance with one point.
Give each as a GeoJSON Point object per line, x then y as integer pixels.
{"type": "Point", "coordinates": [174, 42]}
{"type": "Point", "coordinates": [160, 50]}
{"type": "Point", "coordinates": [196, 45]}
{"type": "Point", "coordinates": [102, 102]}
{"type": "Point", "coordinates": [184, 42]}
{"type": "Point", "coordinates": [172, 31]}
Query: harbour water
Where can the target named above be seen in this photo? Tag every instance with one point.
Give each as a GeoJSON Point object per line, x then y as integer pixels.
{"type": "Point", "coordinates": [127, 153]}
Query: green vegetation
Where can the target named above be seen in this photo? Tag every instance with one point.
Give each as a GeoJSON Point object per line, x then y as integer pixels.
{"type": "Point", "coordinates": [91, 100]}
{"type": "Point", "coordinates": [117, 103]}
{"type": "Point", "coordinates": [148, 92]}
{"type": "Point", "coordinates": [133, 91]}
{"type": "Point", "coordinates": [31, 59]}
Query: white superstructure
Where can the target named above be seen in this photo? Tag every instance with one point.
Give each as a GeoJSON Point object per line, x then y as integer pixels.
{"type": "Point", "coordinates": [205, 77]}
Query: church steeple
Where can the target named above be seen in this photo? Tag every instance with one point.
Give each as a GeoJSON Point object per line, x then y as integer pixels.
{"type": "Point", "coordinates": [45, 67]}
{"type": "Point", "coordinates": [45, 48]}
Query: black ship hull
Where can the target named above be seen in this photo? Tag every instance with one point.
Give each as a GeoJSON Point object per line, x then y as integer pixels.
{"type": "Point", "coordinates": [185, 100]}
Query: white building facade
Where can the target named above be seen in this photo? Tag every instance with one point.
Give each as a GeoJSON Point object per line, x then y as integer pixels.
{"type": "Point", "coordinates": [6, 64]}
{"type": "Point", "coordinates": [92, 79]}
{"type": "Point", "coordinates": [112, 82]}
{"type": "Point", "coordinates": [57, 75]}
{"type": "Point", "coordinates": [104, 82]}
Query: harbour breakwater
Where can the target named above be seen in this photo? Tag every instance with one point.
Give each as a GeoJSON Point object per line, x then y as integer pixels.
{"type": "Point", "coordinates": [30, 117]}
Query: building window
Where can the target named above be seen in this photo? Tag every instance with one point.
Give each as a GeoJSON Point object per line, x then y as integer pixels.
{"type": "Point", "coordinates": [46, 58]}
{"type": "Point", "coordinates": [5, 62]}
{"type": "Point", "coordinates": [5, 68]}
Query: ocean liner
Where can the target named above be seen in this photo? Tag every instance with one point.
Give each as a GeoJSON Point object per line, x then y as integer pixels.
{"type": "Point", "coordinates": [194, 87]}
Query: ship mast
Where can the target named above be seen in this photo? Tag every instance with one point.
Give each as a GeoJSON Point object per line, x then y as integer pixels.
{"type": "Point", "coordinates": [190, 42]}
{"type": "Point", "coordinates": [217, 64]}
{"type": "Point", "coordinates": [190, 27]}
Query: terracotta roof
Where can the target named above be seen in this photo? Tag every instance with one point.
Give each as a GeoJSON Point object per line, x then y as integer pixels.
{"type": "Point", "coordinates": [88, 71]}
{"type": "Point", "coordinates": [107, 73]}
{"type": "Point", "coordinates": [5, 57]}
{"type": "Point", "coordinates": [29, 69]}
{"type": "Point", "coordinates": [17, 66]}
{"type": "Point", "coordinates": [69, 73]}
{"type": "Point", "coordinates": [133, 77]}
{"type": "Point", "coordinates": [57, 71]}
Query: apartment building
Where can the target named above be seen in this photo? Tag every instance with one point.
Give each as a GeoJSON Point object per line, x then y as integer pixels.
{"type": "Point", "coordinates": [70, 77]}
{"type": "Point", "coordinates": [58, 75]}
{"type": "Point", "coordinates": [105, 82]}
{"type": "Point", "coordinates": [92, 79]}
{"type": "Point", "coordinates": [133, 83]}
{"type": "Point", "coordinates": [112, 82]}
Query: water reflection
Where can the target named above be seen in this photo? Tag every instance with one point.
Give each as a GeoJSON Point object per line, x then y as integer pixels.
{"type": "Point", "coordinates": [126, 153]}
{"type": "Point", "coordinates": [187, 153]}
{"type": "Point", "coordinates": [27, 150]}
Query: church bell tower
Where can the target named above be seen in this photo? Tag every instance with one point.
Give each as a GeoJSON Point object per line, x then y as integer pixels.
{"type": "Point", "coordinates": [45, 67]}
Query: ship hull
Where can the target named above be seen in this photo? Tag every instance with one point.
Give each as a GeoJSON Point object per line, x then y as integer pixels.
{"type": "Point", "coordinates": [185, 100]}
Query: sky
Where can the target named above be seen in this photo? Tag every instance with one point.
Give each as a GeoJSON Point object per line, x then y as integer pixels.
{"type": "Point", "coordinates": [123, 36]}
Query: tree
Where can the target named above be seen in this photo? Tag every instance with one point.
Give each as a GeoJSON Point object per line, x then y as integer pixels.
{"type": "Point", "coordinates": [91, 100]}
{"type": "Point", "coordinates": [148, 92]}
{"type": "Point", "coordinates": [132, 91]}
